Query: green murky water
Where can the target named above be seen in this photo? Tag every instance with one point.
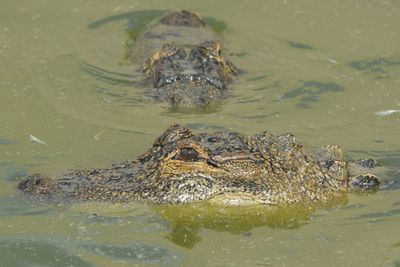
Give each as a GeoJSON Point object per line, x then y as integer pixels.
{"type": "Point", "coordinates": [328, 71]}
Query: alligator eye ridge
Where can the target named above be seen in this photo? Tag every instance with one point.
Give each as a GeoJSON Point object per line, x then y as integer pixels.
{"type": "Point", "coordinates": [188, 154]}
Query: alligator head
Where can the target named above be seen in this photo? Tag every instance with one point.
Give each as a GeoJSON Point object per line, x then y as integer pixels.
{"type": "Point", "coordinates": [186, 77]}
{"type": "Point", "coordinates": [182, 61]}
{"type": "Point", "coordinates": [223, 167]}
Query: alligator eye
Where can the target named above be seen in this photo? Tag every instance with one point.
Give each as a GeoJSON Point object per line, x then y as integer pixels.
{"type": "Point", "coordinates": [188, 154]}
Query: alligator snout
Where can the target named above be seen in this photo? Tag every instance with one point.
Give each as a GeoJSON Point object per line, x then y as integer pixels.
{"type": "Point", "coordinates": [37, 184]}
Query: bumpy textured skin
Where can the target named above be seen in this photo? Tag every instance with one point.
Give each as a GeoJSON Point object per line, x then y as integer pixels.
{"type": "Point", "coordinates": [223, 167]}
{"type": "Point", "coordinates": [182, 61]}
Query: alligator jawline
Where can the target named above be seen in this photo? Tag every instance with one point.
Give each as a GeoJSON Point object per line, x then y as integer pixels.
{"type": "Point", "coordinates": [189, 79]}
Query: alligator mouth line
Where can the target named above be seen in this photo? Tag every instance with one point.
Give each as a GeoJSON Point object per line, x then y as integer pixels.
{"type": "Point", "coordinates": [199, 79]}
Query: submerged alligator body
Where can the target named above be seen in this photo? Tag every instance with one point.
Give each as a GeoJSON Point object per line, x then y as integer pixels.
{"type": "Point", "coordinates": [223, 167]}
{"type": "Point", "coordinates": [182, 61]}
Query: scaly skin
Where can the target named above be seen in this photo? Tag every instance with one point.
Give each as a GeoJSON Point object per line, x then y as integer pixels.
{"type": "Point", "coordinates": [182, 61]}
{"type": "Point", "coordinates": [223, 167]}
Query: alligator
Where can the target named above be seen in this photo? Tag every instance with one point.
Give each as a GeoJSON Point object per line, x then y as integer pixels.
{"type": "Point", "coordinates": [182, 61]}
{"type": "Point", "coordinates": [223, 167]}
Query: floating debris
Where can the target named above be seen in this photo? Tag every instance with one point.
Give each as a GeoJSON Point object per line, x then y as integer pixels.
{"type": "Point", "coordinates": [97, 136]}
{"type": "Point", "coordinates": [37, 140]}
{"type": "Point", "coordinates": [387, 112]}
{"type": "Point", "coordinates": [331, 60]}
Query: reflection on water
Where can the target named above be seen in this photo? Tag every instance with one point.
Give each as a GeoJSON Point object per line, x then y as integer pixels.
{"type": "Point", "coordinates": [188, 220]}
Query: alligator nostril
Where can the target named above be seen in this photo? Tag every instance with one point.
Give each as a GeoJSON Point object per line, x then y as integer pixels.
{"type": "Point", "coordinates": [181, 53]}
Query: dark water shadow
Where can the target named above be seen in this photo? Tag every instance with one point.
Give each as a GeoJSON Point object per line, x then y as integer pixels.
{"type": "Point", "coordinates": [299, 45]}
{"type": "Point", "coordinates": [380, 66]}
{"type": "Point", "coordinates": [34, 253]}
{"type": "Point", "coordinates": [310, 92]}
{"type": "Point", "coordinates": [380, 214]}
